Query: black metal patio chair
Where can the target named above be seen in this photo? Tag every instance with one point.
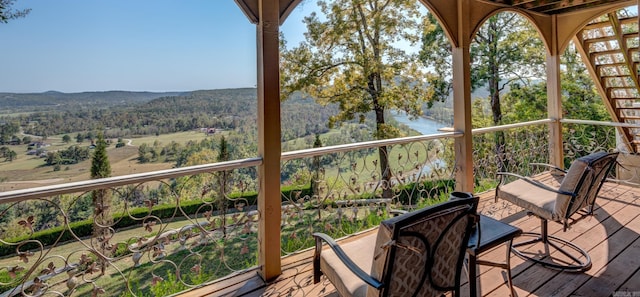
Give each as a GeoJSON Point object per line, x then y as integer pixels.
{"type": "Point", "coordinates": [577, 190]}
{"type": "Point", "coordinates": [419, 253]}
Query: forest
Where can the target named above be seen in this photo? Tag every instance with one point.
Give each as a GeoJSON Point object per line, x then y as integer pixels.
{"type": "Point", "coordinates": [227, 109]}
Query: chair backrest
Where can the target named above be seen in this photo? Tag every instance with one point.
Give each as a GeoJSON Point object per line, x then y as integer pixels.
{"type": "Point", "coordinates": [584, 179]}
{"type": "Point", "coordinates": [421, 253]}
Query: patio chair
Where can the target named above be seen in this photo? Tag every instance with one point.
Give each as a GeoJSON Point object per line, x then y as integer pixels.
{"type": "Point", "coordinates": [576, 189]}
{"type": "Point", "coordinates": [419, 253]}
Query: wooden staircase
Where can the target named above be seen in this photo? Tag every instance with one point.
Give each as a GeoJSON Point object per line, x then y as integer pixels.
{"type": "Point", "coordinates": [609, 48]}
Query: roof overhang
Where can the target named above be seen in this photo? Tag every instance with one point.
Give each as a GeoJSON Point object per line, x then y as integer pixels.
{"type": "Point", "coordinates": [250, 8]}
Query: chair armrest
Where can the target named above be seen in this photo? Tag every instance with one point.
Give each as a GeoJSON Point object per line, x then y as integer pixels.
{"type": "Point", "coordinates": [345, 259]}
{"type": "Point", "coordinates": [549, 166]}
{"type": "Point", "coordinates": [533, 182]}
{"type": "Point", "coordinates": [397, 212]}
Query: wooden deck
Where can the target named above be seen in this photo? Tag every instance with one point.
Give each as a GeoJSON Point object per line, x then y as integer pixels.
{"type": "Point", "coordinates": [612, 238]}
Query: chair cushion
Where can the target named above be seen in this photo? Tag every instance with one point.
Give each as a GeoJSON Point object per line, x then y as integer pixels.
{"type": "Point", "coordinates": [571, 180]}
{"type": "Point", "coordinates": [532, 198]}
{"type": "Point", "coordinates": [380, 255]}
{"type": "Point", "coordinates": [361, 251]}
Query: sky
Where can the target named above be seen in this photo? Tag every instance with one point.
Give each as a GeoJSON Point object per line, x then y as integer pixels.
{"type": "Point", "coordinates": [131, 45]}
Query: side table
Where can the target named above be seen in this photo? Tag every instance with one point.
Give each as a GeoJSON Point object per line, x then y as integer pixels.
{"type": "Point", "coordinates": [490, 233]}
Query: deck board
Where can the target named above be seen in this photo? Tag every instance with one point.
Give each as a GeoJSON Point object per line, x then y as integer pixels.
{"type": "Point", "coordinates": [612, 237]}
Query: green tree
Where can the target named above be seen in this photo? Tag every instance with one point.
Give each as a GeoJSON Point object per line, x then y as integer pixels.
{"type": "Point", "coordinates": [436, 53]}
{"type": "Point", "coordinates": [316, 168]}
{"type": "Point", "coordinates": [8, 131]}
{"type": "Point", "coordinates": [11, 155]}
{"type": "Point", "coordinates": [79, 138]}
{"type": "Point", "coordinates": [506, 50]}
{"type": "Point", "coordinates": [224, 179]}
{"type": "Point", "coordinates": [66, 138]}
{"type": "Point", "coordinates": [101, 168]}
{"type": "Point", "coordinates": [8, 13]}
{"type": "Point", "coordinates": [351, 57]}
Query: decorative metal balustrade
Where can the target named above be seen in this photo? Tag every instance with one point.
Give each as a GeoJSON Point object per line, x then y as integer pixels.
{"type": "Point", "coordinates": [342, 190]}
{"type": "Point", "coordinates": [163, 232]}
{"type": "Point", "coordinates": [508, 148]}
{"type": "Point", "coordinates": [149, 234]}
{"type": "Point", "coordinates": [584, 137]}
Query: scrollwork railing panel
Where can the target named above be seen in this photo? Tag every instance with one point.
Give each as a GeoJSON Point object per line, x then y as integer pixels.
{"type": "Point", "coordinates": [145, 239]}
{"type": "Point", "coordinates": [346, 192]}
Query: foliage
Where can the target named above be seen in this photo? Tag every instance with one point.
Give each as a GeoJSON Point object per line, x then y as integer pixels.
{"type": "Point", "coordinates": [8, 154]}
{"type": "Point", "coordinates": [8, 13]}
{"type": "Point", "coordinates": [351, 58]}
{"type": "Point", "coordinates": [350, 53]}
{"type": "Point", "coordinates": [100, 166]}
{"type": "Point", "coordinates": [436, 53]}
{"type": "Point", "coordinates": [71, 155]}
{"type": "Point", "coordinates": [7, 130]}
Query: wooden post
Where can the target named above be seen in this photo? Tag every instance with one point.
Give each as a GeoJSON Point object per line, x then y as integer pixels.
{"type": "Point", "coordinates": [462, 101]}
{"type": "Point", "coordinates": [269, 200]}
{"type": "Point", "coordinates": [554, 100]}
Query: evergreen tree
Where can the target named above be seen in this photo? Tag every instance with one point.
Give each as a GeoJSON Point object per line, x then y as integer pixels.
{"type": "Point", "coordinates": [101, 168]}
{"type": "Point", "coordinates": [224, 177]}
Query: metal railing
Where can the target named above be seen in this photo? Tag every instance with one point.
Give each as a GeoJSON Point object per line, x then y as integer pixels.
{"type": "Point", "coordinates": [168, 231]}
{"type": "Point", "coordinates": [146, 234]}
{"type": "Point", "coordinates": [341, 190]}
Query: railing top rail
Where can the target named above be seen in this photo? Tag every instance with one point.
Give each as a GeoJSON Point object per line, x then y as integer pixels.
{"type": "Point", "coordinates": [364, 145]}
{"type": "Point", "coordinates": [88, 185]}
{"type": "Point", "coordinates": [599, 123]}
{"type": "Point", "coordinates": [510, 126]}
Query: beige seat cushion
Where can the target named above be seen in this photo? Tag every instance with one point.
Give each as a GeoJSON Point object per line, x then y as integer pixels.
{"type": "Point", "coordinates": [361, 252]}
{"type": "Point", "coordinates": [535, 199]}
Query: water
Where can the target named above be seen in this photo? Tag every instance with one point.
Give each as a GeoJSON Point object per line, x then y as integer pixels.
{"type": "Point", "coordinates": [425, 127]}
{"type": "Point", "coordinates": [422, 125]}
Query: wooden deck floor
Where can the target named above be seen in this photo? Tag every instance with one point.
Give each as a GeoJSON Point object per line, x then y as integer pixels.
{"type": "Point", "coordinates": [612, 238]}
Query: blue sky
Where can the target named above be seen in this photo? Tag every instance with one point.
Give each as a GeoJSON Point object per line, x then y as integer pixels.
{"type": "Point", "coordinates": [133, 45]}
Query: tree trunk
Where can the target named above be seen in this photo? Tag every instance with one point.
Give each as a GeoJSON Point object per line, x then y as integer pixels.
{"type": "Point", "coordinates": [494, 90]}
{"type": "Point", "coordinates": [385, 171]}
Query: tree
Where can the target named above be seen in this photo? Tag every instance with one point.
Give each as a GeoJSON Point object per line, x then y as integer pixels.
{"type": "Point", "coordinates": [11, 155]}
{"type": "Point", "coordinates": [223, 178]}
{"type": "Point", "coordinates": [66, 138]}
{"type": "Point", "coordinates": [351, 57]}
{"type": "Point", "coordinates": [8, 13]}
{"type": "Point", "coordinates": [315, 179]}
{"type": "Point", "coordinates": [79, 138]}
{"type": "Point", "coordinates": [101, 168]}
{"type": "Point", "coordinates": [506, 50]}
{"type": "Point", "coordinates": [436, 53]}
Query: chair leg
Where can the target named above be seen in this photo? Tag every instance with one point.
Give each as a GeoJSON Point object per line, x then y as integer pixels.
{"type": "Point", "coordinates": [558, 244]}
{"type": "Point", "coordinates": [508, 269]}
{"type": "Point", "coordinates": [316, 261]}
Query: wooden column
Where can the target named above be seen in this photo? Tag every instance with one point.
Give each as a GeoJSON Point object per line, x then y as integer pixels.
{"type": "Point", "coordinates": [462, 101]}
{"type": "Point", "coordinates": [269, 200]}
{"type": "Point", "coordinates": [554, 100]}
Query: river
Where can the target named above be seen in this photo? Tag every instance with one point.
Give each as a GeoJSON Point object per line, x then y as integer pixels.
{"type": "Point", "coordinates": [423, 125]}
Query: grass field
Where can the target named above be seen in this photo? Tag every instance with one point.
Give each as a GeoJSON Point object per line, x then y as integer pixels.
{"type": "Point", "coordinates": [28, 171]}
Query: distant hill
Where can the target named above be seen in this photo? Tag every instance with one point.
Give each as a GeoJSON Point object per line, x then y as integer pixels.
{"type": "Point", "coordinates": [54, 100]}
{"type": "Point", "coordinates": [126, 114]}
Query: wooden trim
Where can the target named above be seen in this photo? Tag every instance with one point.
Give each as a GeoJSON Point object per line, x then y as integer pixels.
{"type": "Point", "coordinates": [554, 100]}
{"type": "Point", "coordinates": [269, 202]}
{"type": "Point", "coordinates": [462, 102]}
